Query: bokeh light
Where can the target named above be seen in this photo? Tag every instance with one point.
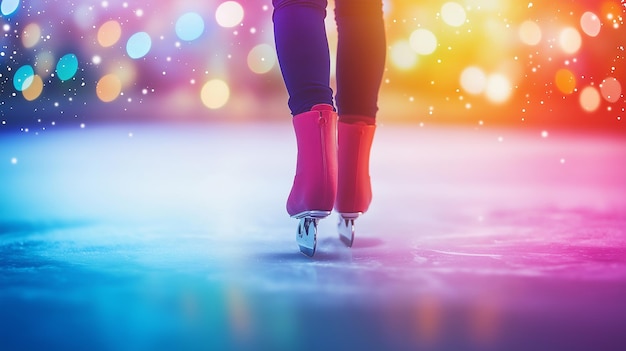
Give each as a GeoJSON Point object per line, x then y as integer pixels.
{"type": "Point", "coordinates": [590, 23]}
{"type": "Point", "coordinates": [589, 99]}
{"type": "Point", "coordinates": [453, 14]}
{"type": "Point", "coordinates": [229, 14]}
{"type": "Point", "coordinates": [423, 41]}
{"type": "Point", "coordinates": [138, 45]}
{"type": "Point", "coordinates": [570, 40]}
{"type": "Point", "coordinates": [125, 69]}
{"type": "Point", "coordinates": [565, 81]}
{"type": "Point", "coordinates": [84, 15]}
{"type": "Point", "coordinates": [529, 33]}
{"type": "Point", "coordinates": [9, 6]}
{"type": "Point", "coordinates": [31, 35]}
{"type": "Point", "coordinates": [215, 94]}
{"type": "Point", "coordinates": [109, 33]}
{"type": "Point", "coordinates": [611, 89]}
{"type": "Point", "coordinates": [45, 63]}
{"type": "Point", "coordinates": [526, 58]}
{"type": "Point", "coordinates": [67, 67]}
{"type": "Point", "coordinates": [473, 80]}
{"type": "Point", "coordinates": [189, 26]}
{"type": "Point", "coordinates": [262, 58]}
{"type": "Point", "coordinates": [402, 55]}
{"type": "Point", "coordinates": [108, 88]}
{"type": "Point", "coordinates": [34, 90]}
{"type": "Point", "coordinates": [498, 88]}
{"type": "Point", "coordinates": [23, 77]}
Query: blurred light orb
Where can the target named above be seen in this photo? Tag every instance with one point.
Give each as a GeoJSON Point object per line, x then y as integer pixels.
{"type": "Point", "coordinates": [611, 89]}
{"type": "Point", "coordinates": [473, 80]}
{"type": "Point", "coordinates": [453, 14]}
{"type": "Point", "coordinates": [402, 55]}
{"type": "Point", "coordinates": [423, 41]}
{"type": "Point", "coordinates": [108, 88]}
{"type": "Point", "coordinates": [229, 14]}
{"type": "Point", "coordinates": [261, 59]}
{"type": "Point", "coordinates": [570, 40]}
{"type": "Point", "coordinates": [565, 81]}
{"type": "Point", "coordinates": [498, 88]}
{"type": "Point", "coordinates": [44, 63]}
{"type": "Point", "coordinates": [9, 6]}
{"type": "Point", "coordinates": [189, 26]}
{"type": "Point", "coordinates": [31, 35]}
{"type": "Point", "coordinates": [124, 69]}
{"type": "Point", "coordinates": [34, 90]}
{"type": "Point", "coordinates": [589, 99]}
{"type": "Point", "coordinates": [67, 67]}
{"type": "Point", "coordinates": [109, 33]}
{"type": "Point", "coordinates": [84, 16]}
{"type": "Point", "coordinates": [96, 60]}
{"type": "Point", "coordinates": [23, 77]}
{"type": "Point", "coordinates": [530, 33]}
{"type": "Point", "coordinates": [215, 94]}
{"type": "Point", "coordinates": [590, 23]}
{"type": "Point", "coordinates": [138, 45]}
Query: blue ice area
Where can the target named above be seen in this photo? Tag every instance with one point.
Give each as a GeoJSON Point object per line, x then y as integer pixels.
{"type": "Point", "coordinates": [175, 237]}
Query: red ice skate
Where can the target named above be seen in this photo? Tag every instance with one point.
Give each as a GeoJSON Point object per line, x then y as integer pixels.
{"type": "Point", "coordinates": [315, 185]}
{"type": "Point", "coordinates": [354, 191]}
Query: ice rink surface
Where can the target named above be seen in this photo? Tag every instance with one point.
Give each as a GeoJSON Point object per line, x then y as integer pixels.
{"type": "Point", "coordinates": [169, 237]}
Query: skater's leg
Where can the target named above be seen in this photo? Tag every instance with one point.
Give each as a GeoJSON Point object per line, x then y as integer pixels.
{"type": "Point", "coordinates": [314, 187]}
{"type": "Point", "coordinates": [303, 54]}
{"type": "Point", "coordinates": [360, 64]}
{"type": "Point", "coordinates": [361, 52]}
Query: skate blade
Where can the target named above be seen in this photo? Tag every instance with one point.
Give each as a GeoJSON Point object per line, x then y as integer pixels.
{"type": "Point", "coordinates": [306, 236]}
{"type": "Point", "coordinates": [345, 228]}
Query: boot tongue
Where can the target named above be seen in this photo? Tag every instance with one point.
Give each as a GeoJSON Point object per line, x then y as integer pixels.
{"type": "Point", "coordinates": [322, 107]}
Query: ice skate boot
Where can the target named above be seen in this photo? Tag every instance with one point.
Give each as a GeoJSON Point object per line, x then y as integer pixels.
{"type": "Point", "coordinates": [354, 190]}
{"type": "Point", "coordinates": [315, 184]}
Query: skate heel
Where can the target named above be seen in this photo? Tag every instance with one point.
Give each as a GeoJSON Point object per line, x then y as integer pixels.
{"type": "Point", "coordinates": [354, 190]}
{"type": "Point", "coordinates": [306, 236]}
{"type": "Point", "coordinates": [345, 227]}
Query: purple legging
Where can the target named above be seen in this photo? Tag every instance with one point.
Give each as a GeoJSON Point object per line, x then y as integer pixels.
{"type": "Point", "coordinates": [302, 48]}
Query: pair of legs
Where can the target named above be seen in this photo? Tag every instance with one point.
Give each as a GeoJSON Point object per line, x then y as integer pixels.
{"type": "Point", "coordinates": [303, 53]}
{"type": "Point", "coordinates": [333, 147]}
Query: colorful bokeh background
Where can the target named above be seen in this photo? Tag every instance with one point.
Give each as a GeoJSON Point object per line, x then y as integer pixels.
{"type": "Point", "coordinates": [547, 64]}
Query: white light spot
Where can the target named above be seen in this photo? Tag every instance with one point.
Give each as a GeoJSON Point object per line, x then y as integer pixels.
{"type": "Point", "coordinates": [402, 55]}
{"type": "Point", "coordinates": [589, 99]}
{"type": "Point", "coordinates": [498, 88]}
{"type": "Point", "coordinates": [453, 14]}
{"type": "Point", "coordinates": [229, 14]}
{"type": "Point", "coordinates": [215, 93]}
{"type": "Point", "coordinates": [423, 41]}
{"type": "Point", "coordinates": [473, 80]}
{"type": "Point", "coordinates": [530, 33]}
{"type": "Point", "coordinates": [570, 40]}
{"type": "Point", "coordinates": [590, 23]}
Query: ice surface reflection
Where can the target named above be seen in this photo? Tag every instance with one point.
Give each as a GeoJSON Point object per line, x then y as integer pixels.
{"type": "Point", "coordinates": [154, 238]}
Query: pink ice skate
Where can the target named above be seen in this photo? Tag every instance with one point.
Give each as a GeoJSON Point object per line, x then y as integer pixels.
{"type": "Point", "coordinates": [354, 191]}
{"type": "Point", "coordinates": [315, 184]}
